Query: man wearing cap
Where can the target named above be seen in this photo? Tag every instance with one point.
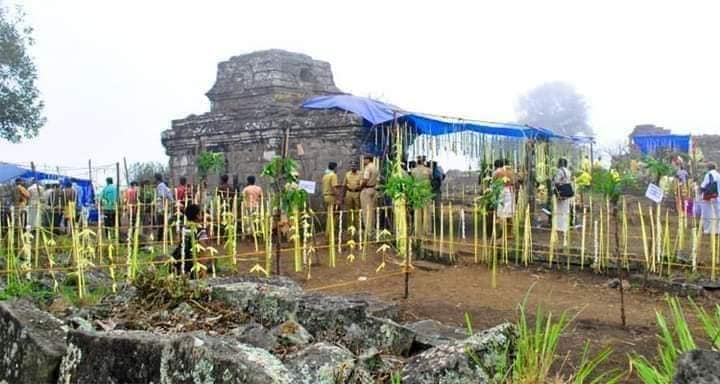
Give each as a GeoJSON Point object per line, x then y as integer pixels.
{"type": "Point", "coordinates": [329, 191]}
{"type": "Point", "coordinates": [368, 195]}
{"type": "Point", "coordinates": [422, 215]}
{"type": "Point", "coordinates": [353, 185]}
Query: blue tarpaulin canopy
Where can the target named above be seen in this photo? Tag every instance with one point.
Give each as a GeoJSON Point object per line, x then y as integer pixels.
{"type": "Point", "coordinates": [378, 113]}
{"type": "Point", "coordinates": [373, 111]}
{"type": "Point", "coordinates": [10, 172]}
{"type": "Point", "coordinates": [651, 144]}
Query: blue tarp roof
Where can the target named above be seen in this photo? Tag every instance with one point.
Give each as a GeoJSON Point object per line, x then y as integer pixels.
{"type": "Point", "coordinates": [10, 172]}
{"type": "Point", "coordinates": [373, 111]}
{"type": "Point", "coordinates": [651, 144]}
{"type": "Point", "coordinates": [378, 113]}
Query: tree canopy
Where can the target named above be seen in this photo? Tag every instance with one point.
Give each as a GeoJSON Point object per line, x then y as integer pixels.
{"type": "Point", "coordinates": [20, 106]}
{"type": "Point", "coordinates": [556, 106]}
{"type": "Point", "coordinates": [146, 171]}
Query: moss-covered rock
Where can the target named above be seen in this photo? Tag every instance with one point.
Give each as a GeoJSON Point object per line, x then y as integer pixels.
{"type": "Point", "coordinates": [142, 357]}
{"type": "Point", "coordinates": [481, 358]}
{"type": "Point", "coordinates": [322, 363]}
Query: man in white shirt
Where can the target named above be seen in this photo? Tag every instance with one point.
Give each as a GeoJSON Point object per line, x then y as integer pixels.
{"type": "Point", "coordinates": [35, 205]}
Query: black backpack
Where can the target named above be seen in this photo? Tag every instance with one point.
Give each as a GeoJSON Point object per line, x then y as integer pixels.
{"type": "Point", "coordinates": [711, 190]}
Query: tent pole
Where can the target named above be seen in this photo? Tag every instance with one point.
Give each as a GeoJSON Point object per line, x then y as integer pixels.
{"type": "Point", "coordinates": [127, 175]}
{"type": "Point", "coordinates": [117, 201]}
{"type": "Point", "coordinates": [531, 175]}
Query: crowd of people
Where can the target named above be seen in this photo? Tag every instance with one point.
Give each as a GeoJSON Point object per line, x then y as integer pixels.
{"type": "Point", "coordinates": [50, 204]}
{"type": "Point", "coordinates": [56, 205]}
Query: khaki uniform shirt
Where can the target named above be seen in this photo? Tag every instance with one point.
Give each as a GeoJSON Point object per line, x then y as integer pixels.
{"type": "Point", "coordinates": [421, 173]}
{"type": "Point", "coordinates": [370, 175]}
{"type": "Point", "coordinates": [353, 181]}
{"type": "Point", "coordinates": [329, 182]}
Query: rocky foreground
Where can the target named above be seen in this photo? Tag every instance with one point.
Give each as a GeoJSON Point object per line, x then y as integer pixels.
{"type": "Point", "coordinates": [250, 330]}
{"type": "Point", "coordinates": [241, 330]}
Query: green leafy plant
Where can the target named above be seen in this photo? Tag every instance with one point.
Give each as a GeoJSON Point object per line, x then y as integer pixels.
{"type": "Point", "coordinates": [285, 176]}
{"type": "Point", "coordinates": [710, 322]}
{"type": "Point", "coordinates": [395, 378]}
{"type": "Point", "coordinates": [490, 198]}
{"type": "Point", "coordinates": [536, 346]}
{"type": "Point", "coordinates": [675, 339]}
{"type": "Point", "coordinates": [611, 183]}
{"type": "Point", "coordinates": [417, 193]}
{"type": "Point", "coordinates": [209, 162]}
{"type": "Point", "coordinates": [658, 168]}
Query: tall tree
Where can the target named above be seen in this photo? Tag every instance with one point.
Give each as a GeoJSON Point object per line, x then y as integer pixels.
{"type": "Point", "coordinates": [20, 105]}
{"type": "Point", "coordinates": [146, 171]}
{"type": "Point", "coordinates": [556, 106]}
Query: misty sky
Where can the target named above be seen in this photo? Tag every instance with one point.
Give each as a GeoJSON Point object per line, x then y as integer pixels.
{"type": "Point", "coordinates": [113, 74]}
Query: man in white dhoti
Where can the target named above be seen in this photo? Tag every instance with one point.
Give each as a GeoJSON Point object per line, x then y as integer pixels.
{"type": "Point", "coordinates": [710, 206]}
{"type": "Point", "coordinates": [503, 172]}
{"type": "Point", "coordinates": [561, 213]}
{"type": "Point", "coordinates": [35, 205]}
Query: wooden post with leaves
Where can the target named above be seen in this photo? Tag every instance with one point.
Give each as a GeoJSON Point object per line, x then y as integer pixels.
{"type": "Point", "coordinates": [612, 184]}
{"type": "Point", "coordinates": [279, 186]}
{"type": "Point", "coordinates": [288, 195]}
{"type": "Point", "coordinates": [407, 193]}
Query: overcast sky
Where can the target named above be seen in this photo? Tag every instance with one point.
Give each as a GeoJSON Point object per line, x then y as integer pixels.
{"type": "Point", "coordinates": [113, 74]}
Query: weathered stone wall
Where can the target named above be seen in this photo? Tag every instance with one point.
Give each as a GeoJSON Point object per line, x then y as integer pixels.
{"type": "Point", "coordinates": [255, 99]}
{"type": "Point", "coordinates": [649, 129]}
{"type": "Point", "coordinates": [267, 81]}
{"type": "Point", "coordinates": [709, 145]}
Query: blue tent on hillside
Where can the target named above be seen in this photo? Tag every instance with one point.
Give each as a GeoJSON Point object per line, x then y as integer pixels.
{"type": "Point", "coordinates": [10, 172]}
{"type": "Point", "coordinates": [652, 144]}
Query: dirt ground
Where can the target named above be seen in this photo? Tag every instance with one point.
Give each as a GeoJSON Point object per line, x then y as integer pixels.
{"type": "Point", "coordinates": [450, 292]}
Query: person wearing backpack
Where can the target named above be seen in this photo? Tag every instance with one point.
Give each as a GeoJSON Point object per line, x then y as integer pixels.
{"type": "Point", "coordinates": [710, 211]}
{"type": "Point", "coordinates": [564, 193]}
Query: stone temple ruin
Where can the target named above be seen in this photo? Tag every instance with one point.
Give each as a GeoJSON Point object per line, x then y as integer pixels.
{"type": "Point", "coordinates": [256, 97]}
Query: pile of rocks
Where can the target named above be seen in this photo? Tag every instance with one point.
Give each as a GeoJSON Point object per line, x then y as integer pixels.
{"type": "Point", "coordinates": [290, 337]}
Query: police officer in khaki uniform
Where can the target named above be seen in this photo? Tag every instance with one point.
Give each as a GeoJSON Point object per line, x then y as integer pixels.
{"type": "Point", "coordinates": [329, 191]}
{"type": "Point", "coordinates": [368, 195]}
{"type": "Point", "coordinates": [353, 185]}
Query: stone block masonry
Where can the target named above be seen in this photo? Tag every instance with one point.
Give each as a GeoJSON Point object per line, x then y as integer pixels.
{"type": "Point", "coordinates": [32, 343]}
{"type": "Point", "coordinates": [255, 98]}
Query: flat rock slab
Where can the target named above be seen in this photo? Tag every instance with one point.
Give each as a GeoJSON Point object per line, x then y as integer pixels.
{"type": "Point", "coordinates": [269, 302]}
{"type": "Point", "coordinates": [142, 357]}
{"type": "Point", "coordinates": [32, 344]}
{"type": "Point", "coordinates": [470, 361]}
{"type": "Point", "coordinates": [432, 333]}
{"type": "Point", "coordinates": [679, 288]}
{"type": "Point", "coordinates": [335, 319]}
{"type": "Point", "coordinates": [377, 307]}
